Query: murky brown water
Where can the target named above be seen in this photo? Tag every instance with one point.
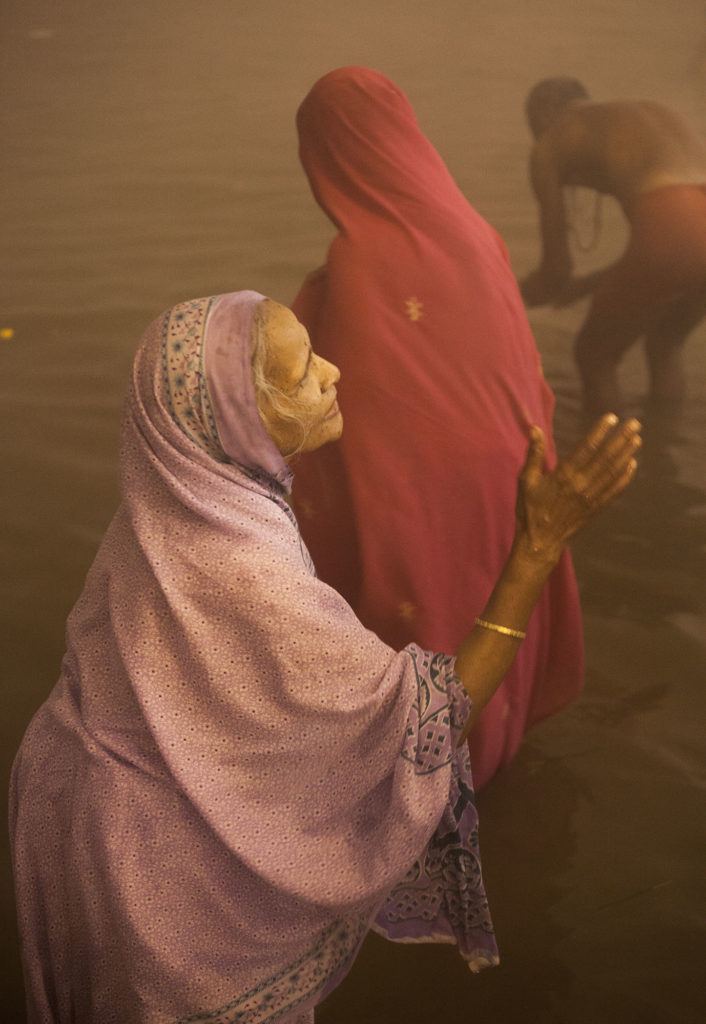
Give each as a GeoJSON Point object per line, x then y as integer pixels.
{"type": "Point", "coordinates": [149, 155]}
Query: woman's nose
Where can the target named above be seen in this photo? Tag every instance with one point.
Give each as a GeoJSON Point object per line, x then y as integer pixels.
{"type": "Point", "coordinates": [330, 374]}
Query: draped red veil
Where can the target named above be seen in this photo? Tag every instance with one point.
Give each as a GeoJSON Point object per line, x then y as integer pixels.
{"type": "Point", "coordinates": [411, 514]}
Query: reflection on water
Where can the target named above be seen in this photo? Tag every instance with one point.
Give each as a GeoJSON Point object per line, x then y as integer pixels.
{"type": "Point", "coordinates": [150, 156]}
{"type": "Point", "coordinates": [529, 812]}
{"type": "Point", "coordinates": [653, 540]}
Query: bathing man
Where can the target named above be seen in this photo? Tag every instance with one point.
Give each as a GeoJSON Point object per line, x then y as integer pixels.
{"type": "Point", "coordinates": [645, 156]}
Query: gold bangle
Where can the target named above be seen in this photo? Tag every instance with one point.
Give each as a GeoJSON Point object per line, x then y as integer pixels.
{"type": "Point", "coordinates": [517, 634]}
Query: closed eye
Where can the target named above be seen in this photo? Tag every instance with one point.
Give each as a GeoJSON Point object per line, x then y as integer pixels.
{"type": "Point", "coordinates": [303, 380]}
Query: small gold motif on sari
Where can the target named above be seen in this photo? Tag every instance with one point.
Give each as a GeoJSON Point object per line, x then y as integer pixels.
{"type": "Point", "coordinates": [407, 610]}
{"type": "Point", "coordinates": [414, 309]}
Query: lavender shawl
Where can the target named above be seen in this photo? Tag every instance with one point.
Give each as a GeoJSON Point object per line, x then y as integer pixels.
{"type": "Point", "coordinates": [232, 779]}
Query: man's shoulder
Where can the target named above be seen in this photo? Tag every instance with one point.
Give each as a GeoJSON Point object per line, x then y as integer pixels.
{"type": "Point", "coordinates": [569, 130]}
{"type": "Point", "coordinates": [593, 127]}
{"type": "Point", "coordinates": [601, 116]}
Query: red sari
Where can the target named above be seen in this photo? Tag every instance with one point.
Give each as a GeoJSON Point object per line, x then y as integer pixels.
{"type": "Point", "coordinates": [411, 514]}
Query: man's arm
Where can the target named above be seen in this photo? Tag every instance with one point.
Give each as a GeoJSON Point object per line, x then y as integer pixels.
{"type": "Point", "coordinates": [554, 271]}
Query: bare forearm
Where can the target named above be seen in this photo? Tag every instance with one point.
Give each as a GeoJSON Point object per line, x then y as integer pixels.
{"type": "Point", "coordinates": [555, 266]}
{"type": "Point", "coordinates": [556, 262]}
{"type": "Point", "coordinates": [485, 656]}
{"type": "Point", "coordinates": [549, 280]}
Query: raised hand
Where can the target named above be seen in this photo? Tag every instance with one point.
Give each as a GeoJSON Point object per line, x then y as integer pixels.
{"type": "Point", "coordinates": [552, 507]}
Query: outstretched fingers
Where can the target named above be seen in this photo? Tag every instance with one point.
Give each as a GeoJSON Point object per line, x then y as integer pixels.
{"type": "Point", "coordinates": [586, 450]}
{"type": "Point", "coordinates": [605, 461]}
{"type": "Point", "coordinates": [617, 484]}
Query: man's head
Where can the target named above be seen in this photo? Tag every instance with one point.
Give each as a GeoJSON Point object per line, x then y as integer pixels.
{"type": "Point", "coordinates": [548, 98]}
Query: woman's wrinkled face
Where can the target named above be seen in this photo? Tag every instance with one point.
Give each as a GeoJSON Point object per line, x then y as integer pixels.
{"type": "Point", "coordinates": [305, 414]}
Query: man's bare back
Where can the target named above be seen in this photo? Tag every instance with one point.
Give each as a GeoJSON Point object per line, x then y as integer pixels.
{"type": "Point", "coordinates": [622, 148]}
{"type": "Point", "coordinates": [628, 149]}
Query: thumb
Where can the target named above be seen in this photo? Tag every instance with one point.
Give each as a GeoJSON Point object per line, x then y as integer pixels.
{"type": "Point", "coordinates": [536, 450]}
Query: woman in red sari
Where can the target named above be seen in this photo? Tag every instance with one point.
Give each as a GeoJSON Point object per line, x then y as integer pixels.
{"type": "Point", "coordinates": [413, 510]}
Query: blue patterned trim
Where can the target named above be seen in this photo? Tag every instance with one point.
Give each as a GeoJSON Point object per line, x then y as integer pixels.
{"type": "Point", "coordinates": [292, 986]}
{"type": "Point", "coordinates": [184, 373]}
{"type": "Point", "coordinates": [442, 895]}
{"type": "Point", "coordinates": [429, 741]}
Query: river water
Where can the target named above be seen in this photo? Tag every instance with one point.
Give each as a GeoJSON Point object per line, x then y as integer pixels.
{"type": "Point", "coordinates": [149, 155]}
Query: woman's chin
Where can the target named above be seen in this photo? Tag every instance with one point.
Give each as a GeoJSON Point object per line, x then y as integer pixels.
{"type": "Point", "coordinates": [330, 430]}
{"type": "Point", "coordinates": [337, 427]}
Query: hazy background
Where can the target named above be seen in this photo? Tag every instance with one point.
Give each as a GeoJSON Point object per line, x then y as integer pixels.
{"type": "Point", "coordinates": [149, 155]}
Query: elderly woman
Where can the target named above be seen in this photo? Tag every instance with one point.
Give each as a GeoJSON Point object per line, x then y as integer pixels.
{"type": "Point", "coordinates": [411, 516]}
{"type": "Point", "coordinates": [233, 779]}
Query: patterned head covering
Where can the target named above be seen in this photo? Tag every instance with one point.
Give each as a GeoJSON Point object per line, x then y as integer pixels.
{"type": "Point", "coordinates": [208, 383]}
{"type": "Point", "coordinates": [185, 374]}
